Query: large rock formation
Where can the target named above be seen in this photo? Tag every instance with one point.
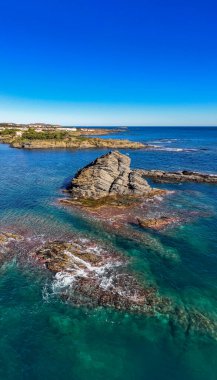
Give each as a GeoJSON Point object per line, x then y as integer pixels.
{"type": "Point", "coordinates": [108, 175]}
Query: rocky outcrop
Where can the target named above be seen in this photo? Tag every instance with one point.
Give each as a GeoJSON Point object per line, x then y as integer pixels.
{"type": "Point", "coordinates": [161, 176]}
{"type": "Point", "coordinates": [108, 175]}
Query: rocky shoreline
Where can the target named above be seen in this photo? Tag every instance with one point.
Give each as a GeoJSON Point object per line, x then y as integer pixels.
{"type": "Point", "coordinates": [78, 143]}
{"type": "Point", "coordinates": [49, 137]}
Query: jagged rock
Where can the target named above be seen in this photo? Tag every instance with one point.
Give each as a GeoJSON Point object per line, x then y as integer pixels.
{"type": "Point", "coordinates": [108, 175]}
{"type": "Point", "coordinates": [161, 176]}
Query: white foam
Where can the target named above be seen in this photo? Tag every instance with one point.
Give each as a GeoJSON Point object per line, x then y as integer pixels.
{"type": "Point", "coordinates": [63, 280]}
{"type": "Point", "coordinates": [161, 141]}
{"type": "Point", "coordinates": [169, 149]}
{"type": "Point", "coordinates": [106, 283]}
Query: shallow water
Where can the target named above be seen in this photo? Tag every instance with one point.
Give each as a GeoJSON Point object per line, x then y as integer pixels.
{"type": "Point", "coordinates": [43, 337]}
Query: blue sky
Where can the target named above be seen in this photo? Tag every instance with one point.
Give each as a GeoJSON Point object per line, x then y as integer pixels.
{"type": "Point", "coordinates": [109, 62]}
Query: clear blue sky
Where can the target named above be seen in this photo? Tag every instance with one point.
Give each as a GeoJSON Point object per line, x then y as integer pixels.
{"type": "Point", "coordinates": [99, 62]}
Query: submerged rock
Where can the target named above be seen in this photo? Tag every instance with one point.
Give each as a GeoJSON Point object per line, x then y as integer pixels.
{"type": "Point", "coordinates": [157, 223]}
{"type": "Point", "coordinates": [87, 274]}
{"type": "Point", "coordinates": [7, 245]}
{"type": "Point", "coordinates": [108, 175]}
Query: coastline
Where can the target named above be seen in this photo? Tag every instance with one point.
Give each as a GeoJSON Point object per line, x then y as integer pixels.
{"type": "Point", "coordinates": [29, 137]}
{"type": "Point", "coordinates": [78, 143]}
{"type": "Point", "coordinates": [172, 265]}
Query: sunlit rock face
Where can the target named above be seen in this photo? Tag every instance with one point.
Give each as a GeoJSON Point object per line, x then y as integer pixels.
{"type": "Point", "coordinates": [108, 175]}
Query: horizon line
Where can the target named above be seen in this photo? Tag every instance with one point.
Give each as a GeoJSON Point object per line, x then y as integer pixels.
{"type": "Point", "coordinates": [110, 126]}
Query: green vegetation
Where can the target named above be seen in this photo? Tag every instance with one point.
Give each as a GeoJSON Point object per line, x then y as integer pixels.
{"type": "Point", "coordinates": [8, 132]}
{"type": "Point", "coordinates": [31, 134]}
{"type": "Point", "coordinates": [123, 201]}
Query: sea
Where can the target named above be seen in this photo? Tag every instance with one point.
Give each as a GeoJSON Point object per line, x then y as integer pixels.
{"type": "Point", "coordinates": [44, 337]}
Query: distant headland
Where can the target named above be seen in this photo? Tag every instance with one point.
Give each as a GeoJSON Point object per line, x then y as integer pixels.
{"type": "Point", "coordinates": [49, 136]}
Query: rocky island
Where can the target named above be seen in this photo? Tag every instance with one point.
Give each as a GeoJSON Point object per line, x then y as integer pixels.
{"type": "Point", "coordinates": [109, 190]}
{"type": "Point", "coordinates": [108, 175]}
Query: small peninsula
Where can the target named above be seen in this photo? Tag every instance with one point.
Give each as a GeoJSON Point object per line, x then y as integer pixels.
{"type": "Point", "coordinates": [42, 136]}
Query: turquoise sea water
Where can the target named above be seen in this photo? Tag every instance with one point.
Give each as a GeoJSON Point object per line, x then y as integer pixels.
{"type": "Point", "coordinates": [42, 337]}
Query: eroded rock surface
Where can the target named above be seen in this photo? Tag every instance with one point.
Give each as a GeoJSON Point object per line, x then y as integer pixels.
{"type": "Point", "coordinates": [7, 243]}
{"type": "Point", "coordinates": [158, 223]}
{"type": "Point", "coordinates": [161, 176]}
{"type": "Point", "coordinates": [90, 275]}
{"type": "Point", "coordinates": [108, 175]}
{"type": "Point", "coordinates": [75, 143]}
{"type": "Point", "coordinates": [87, 273]}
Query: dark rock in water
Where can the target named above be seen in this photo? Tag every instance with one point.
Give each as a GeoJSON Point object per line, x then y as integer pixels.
{"type": "Point", "coordinates": [108, 175]}
{"type": "Point", "coordinates": [161, 176]}
{"type": "Point", "coordinates": [86, 274]}
{"type": "Point", "coordinates": [7, 241]}
{"type": "Point", "coordinates": [67, 256]}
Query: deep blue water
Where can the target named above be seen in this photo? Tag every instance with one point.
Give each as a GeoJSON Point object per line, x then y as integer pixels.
{"type": "Point", "coordinates": [45, 338]}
